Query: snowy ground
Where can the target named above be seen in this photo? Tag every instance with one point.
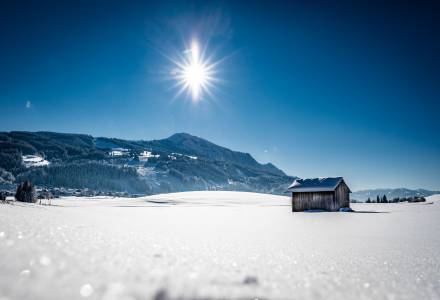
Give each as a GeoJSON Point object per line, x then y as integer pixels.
{"type": "Point", "coordinates": [217, 245]}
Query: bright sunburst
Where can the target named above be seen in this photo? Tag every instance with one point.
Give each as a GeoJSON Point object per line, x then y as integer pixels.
{"type": "Point", "coordinates": [195, 73]}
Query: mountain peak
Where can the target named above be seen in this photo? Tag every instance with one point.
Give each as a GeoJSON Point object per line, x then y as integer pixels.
{"type": "Point", "coordinates": [180, 136]}
{"type": "Point", "coordinates": [194, 145]}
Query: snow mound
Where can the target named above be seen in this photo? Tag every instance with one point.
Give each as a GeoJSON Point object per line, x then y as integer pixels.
{"type": "Point", "coordinates": [221, 198]}
{"type": "Point", "coordinates": [433, 198]}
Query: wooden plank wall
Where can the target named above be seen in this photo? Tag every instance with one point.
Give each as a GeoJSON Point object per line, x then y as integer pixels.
{"type": "Point", "coordinates": [342, 195]}
{"type": "Point", "coordinates": [318, 200]}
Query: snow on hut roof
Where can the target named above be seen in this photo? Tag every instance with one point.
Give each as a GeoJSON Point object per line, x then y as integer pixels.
{"type": "Point", "coordinates": [326, 184]}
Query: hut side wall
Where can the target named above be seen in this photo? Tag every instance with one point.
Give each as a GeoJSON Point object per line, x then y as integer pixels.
{"type": "Point", "coordinates": [318, 200]}
{"type": "Point", "coordinates": [342, 195]}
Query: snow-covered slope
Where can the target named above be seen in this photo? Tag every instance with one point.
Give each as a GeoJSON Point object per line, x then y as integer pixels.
{"type": "Point", "coordinates": [433, 198]}
{"type": "Point", "coordinates": [217, 245]}
{"type": "Point", "coordinates": [31, 161]}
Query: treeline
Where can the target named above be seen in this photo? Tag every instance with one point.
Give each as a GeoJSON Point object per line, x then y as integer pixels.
{"type": "Point", "coordinates": [91, 175]}
{"type": "Point", "coordinates": [11, 160]}
{"type": "Point", "coordinates": [49, 144]}
{"type": "Point", "coordinates": [6, 176]}
{"type": "Point", "coordinates": [81, 162]}
{"type": "Point", "coordinates": [384, 199]}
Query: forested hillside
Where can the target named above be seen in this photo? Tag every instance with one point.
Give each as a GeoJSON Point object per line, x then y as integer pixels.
{"type": "Point", "coordinates": [179, 163]}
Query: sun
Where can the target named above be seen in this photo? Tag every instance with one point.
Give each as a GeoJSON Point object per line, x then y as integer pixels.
{"type": "Point", "coordinates": [194, 73]}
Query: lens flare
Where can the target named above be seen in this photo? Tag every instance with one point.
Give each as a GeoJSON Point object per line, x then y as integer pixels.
{"type": "Point", "coordinates": [195, 73]}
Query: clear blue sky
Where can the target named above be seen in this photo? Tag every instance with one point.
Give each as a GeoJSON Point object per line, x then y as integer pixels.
{"type": "Point", "coordinates": [317, 88]}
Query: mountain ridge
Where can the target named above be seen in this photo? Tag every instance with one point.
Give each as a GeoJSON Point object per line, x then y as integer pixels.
{"type": "Point", "coordinates": [177, 163]}
{"type": "Point", "coordinates": [363, 195]}
{"type": "Point", "coordinates": [186, 143]}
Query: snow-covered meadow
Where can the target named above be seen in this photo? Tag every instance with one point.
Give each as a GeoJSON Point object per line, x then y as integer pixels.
{"type": "Point", "coordinates": [217, 245]}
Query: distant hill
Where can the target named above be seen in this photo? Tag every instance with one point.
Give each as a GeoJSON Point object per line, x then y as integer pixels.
{"type": "Point", "coordinates": [180, 162]}
{"type": "Point", "coordinates": [391, 193]}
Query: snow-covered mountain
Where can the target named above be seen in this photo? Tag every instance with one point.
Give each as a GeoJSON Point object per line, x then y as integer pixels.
{"type": "Point", "coordinates": [363, 195]}
{"type": "Point", "coordinates": [190, 145]}
{"type": "Point", "coordinates": [180, 162]}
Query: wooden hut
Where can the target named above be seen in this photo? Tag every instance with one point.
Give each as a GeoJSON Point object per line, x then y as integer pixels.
{"type": "Point", "coordinates": [329, 194]}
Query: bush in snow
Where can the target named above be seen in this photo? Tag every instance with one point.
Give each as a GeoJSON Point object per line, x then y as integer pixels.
{"type": "Point", "coordinates": [26, 192]}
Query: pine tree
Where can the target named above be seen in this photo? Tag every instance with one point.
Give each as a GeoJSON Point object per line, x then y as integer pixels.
{"type": "Point", "coordinates": [368, 200]}
{"type": "Point", "coordinates": [377, 199]}
{"type": "Point", "coordinates": [384, 199]}
{"type": "Point", "coordinates": [26, 192]}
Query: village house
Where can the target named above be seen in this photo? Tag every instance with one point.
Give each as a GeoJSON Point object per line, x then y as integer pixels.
{"type": "Point", "coordinates": [328, 193]}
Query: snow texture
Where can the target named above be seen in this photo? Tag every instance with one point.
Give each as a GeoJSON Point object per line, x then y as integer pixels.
{"type": "Point", "coordinates": [217, 245]}
{"type": "Point", "coordinates": [433, 198]}
{"type": "Point", "coordinates": [145, 155]}
{"type": "Point", "coordinates": [322, 184]}
{"type": "Point", "coordinates": [119, 152]}
{"type": "Point", "coordinates": [31, 161]}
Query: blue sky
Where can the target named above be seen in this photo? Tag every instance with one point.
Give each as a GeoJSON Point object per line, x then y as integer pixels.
{"type": "Point", "coordinates": [317, 88]}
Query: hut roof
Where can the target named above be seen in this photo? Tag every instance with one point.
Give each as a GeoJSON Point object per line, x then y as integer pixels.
{"type": "Point", "coordinates": [326, 184]}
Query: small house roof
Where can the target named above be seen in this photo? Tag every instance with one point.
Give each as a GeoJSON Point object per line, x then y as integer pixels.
{"type": "Point", "coordinates": [325, 184]}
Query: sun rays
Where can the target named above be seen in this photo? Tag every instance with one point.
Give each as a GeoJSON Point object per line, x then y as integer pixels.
{"type": "Point", "coordinates": [195, 72]}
